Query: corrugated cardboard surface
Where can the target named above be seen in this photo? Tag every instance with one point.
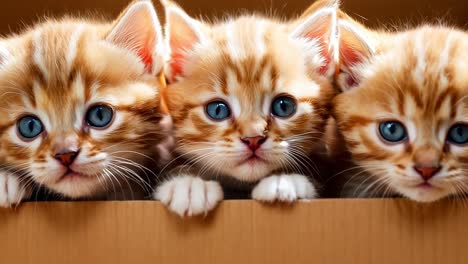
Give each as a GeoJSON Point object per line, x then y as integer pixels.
{"type": "Point", "coordinates": [322, 231]}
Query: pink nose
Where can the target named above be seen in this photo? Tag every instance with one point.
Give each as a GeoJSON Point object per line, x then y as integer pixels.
{"type": "Point", "coordinates": [66, 157]}
{"type": "Point", "coordinates": [254, 143]}
{"type": "Point", "coordinates": [427, 172]}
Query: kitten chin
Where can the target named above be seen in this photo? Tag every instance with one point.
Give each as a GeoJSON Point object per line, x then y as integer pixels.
{"type": "Point", "coordinates": [81, 114]}
{"type": "Point", "coordinates": [249, 97]}
{"type": "Point", "coordinates": [402, 115]}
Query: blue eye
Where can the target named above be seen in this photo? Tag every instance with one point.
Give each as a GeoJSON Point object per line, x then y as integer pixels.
{"type": "Point", "coordinates": [393, 131]}
{"type": "Point", "coordinates": [99, 116]}
{"type": "Point", "coordinates": [458, 134]}
{"type": "Point", "coordinates": [218, 110]}
{"type": "Point", "coordinates": [283, 106]}
{"type": "Point", "coordinates": [30, 127]}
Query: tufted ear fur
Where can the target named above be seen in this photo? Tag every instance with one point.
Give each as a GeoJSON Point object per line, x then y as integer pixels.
{"type": "Point", "coordinates": [4, 54]}
{"type": "Point", "coordinates": [183, 34]}
{"type": "Point", "coordinates": [356, 45]}
{"type": "Point", "coordinates": [318, 28]}
{"type": "Point", "coordinates": [138, 30]}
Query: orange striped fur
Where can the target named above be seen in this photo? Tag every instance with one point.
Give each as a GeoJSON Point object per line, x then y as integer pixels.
{"type": "Point", "coordinates": [247, 61]}
{"type": "Point", "coordinates": [57, 71]}
{"type": "Point", "coordinates": [419, 78]}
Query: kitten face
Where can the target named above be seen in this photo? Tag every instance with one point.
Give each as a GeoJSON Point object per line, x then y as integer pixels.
{"type": "Point", "coordinates": [80, 113]}
{"type": "Point", "coordinates": [406, 120]}
{"type": "Point", "coordinates": [248, 97]}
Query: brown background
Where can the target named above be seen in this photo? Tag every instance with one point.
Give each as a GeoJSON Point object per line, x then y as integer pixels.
{"type": "Point", "coordinates": [14, 14]}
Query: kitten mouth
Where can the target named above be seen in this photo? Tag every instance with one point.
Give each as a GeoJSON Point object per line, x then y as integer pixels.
{"type": "Point", "coordinates": [71, 175]}
{"type": "Point", "coordinates": [252, 160]}
{"type": "Point", "coordinates": [426, 186]}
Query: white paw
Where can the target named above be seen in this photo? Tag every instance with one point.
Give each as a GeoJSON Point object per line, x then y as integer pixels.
{"type": "Point", "coordinates": [11, 192]}
{"type": "Point", "coordinates": [188, 196]}
{"type": "Point", "coordinates": [284, 188]}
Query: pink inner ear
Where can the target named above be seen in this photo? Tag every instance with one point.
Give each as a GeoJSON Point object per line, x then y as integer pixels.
{"type": "Point", "coordinates": [321, 34]}
{"type": "Point", "coordinates": [351, 56]}
{"type": "Point", "coordinates": [180, 49]}
{"type": "Point", "coordinates": [323, 52]}
{"type": "Point", "coordinates": [138, 31]}
{"type": "Point", "coordinates": [176, 64]}
{"type": "Point", "coordinates": [351, 81]}
{"type": "Point", "coordinates": [145, 54]}
{"type": "Point", "coordinates": [183, 33]}
{"type": "Point", "coordinates": [323, 69]}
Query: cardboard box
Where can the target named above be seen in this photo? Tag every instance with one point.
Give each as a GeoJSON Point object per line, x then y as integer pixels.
{"type": "Point", "coordinates": [322, 231]}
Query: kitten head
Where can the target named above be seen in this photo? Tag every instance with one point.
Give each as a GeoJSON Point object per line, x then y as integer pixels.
{"type": "Point", "coordinates": [249, 95]}
{"type": "Point", "coordinates": [80, 102]}
{"type": "Point", "coordinates": [404, 110]}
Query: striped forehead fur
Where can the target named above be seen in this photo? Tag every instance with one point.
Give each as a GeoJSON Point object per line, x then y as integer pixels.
{"type": "Point", "coordinates": [247, 61]}
{"type": "Point", "coordinates": [417, 78]}
{"type": "Point", "coordinates": [57, 71]}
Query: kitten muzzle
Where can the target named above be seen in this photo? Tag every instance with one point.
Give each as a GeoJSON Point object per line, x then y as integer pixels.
{"type": "Point", "coordinates": [67, 157]}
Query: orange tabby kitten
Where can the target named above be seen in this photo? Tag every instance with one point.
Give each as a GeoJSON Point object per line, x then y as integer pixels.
{"type": "Point", "coordinates": [249, 97]}
{"type": "Point", "coordinates": [80, 111]}
{"type": "Point", "coordinates": [404, 111]}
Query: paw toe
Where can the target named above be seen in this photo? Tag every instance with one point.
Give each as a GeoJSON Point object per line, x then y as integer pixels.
{"type": "Point", "coordinates": [284, 188]}
{"type": "Point", "coordinates": [11, 192]}
{"type": "Point", "coordinates": [189, 196]}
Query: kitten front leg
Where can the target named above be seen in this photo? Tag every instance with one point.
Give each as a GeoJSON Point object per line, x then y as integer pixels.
{"type": "Point", "coordinates": [187, 195]}
{"type": "Point", "coordinates": [11, 191]}
{"type": "Point", "coordinates": [284, 188]}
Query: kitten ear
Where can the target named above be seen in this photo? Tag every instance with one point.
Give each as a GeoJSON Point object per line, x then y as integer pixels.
{"type": "Point", "coordinates": [183, 34]}
{"type": "Point", "coordinates": [318, 28]}
{"type": "Point", "coordinates": [138, 30]}
{"type": "Point", "coordinates": [356, 45]}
